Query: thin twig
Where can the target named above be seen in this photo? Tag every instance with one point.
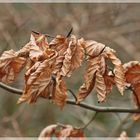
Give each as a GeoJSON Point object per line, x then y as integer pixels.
{"type": "Point", "coordinates": [93, 118]}
{"type": "Point", "coordinates": [72, 93]}
{"type": "Point", "coordinates": [101, 51]}
{"type": "Point", "coordinates": [69, 33]}
{"type": "Point", "coordinates": [11, 89]}
{"type": "Point", "coordinates": [82, 105]}
{"type": "Point", "coordinates": [111, 70]}
{"type": "Point", "coordinates": [47, 35]}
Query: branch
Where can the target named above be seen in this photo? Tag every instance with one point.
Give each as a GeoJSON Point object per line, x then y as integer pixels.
{"type": "Point", "coordinates": [47, 35]}
{"type": "Point", "coordinates": [82, 105]}
{"type": "Point", "coordinates": [69, 33]}
{"type": "Point", "coordinates": [72, 93]}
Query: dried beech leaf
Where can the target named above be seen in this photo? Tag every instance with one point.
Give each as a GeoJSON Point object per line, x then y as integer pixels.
{"type": "Point", "coordinates": [100, 87]}
{"type": "Point", "coordinates": [59, 44]}
{"type": "Point", "coordinates": [37, 82]}
{"type": "Point", "coordinates": [35, 54]}
{"type": "Point", "coordinates": [60, 92]}
{"type": "Point", "coordinates": [39, 40]}
{"type": "Point", "coordinates": [78, 55]}
{"type": "Point", "coordinates": [40, 48]}
{"type": "Point", "coordinates": [47, 132]}
{"type": "Point", "coordinates": [37, 49]}
{"type": "Point", "coordinates": [123, 136]}
{"type": "Point", "coordinates": [70, 54]}
{"type": "Point", "coordinates": [136, 116]}
{"type": "Point", "coordinates": [93, 48]}
{"type": "Point", "coordinates": [109, 82]}
{"type": "Point", "coordinates": [94, 65]}
{"type": "Point", "coordinates": [73, 57]}
{"type": "Point", "coordinates": [84, 91]}
{"type": "Point", "coordinates": [24, 51]}
{"type": "Point", "coordinates": [63, 132]}
{"type": "Point", "coordinates": [132, 75]}
{"type": "Point", "coordinates": [69, 132]}
{"type": "Point", "coordinates": [138, 136]}
{"type": "Point", "coordinates": [89, 78]}
{"type": "Point", "coordinates": [132, 72]}
{"type": "Point", "coordinates": [10, 66]}
{"type": "Point", "coordinates": [118, 70]}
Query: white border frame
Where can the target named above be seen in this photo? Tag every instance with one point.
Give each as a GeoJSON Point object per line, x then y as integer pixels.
{"type": "Point", "coordinates": [69, 1]}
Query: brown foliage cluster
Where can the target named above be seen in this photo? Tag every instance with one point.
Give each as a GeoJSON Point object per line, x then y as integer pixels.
{"type": "Point", "coordinates": [47, 63]}
{"type": "Point", "coordinates": [61, 132]}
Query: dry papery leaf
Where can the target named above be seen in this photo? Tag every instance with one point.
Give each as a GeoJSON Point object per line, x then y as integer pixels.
{"type": "Point", "coordinates": [59, 44]}
{"type": "Point", "coordinates": [37, 81]}
{"type": "Point", "coordinates": [40, 83]}
{"type": "Point", "coordinates": [61, 133]}
{"type": "Point", "coordinates": [40, 40]}
{"type": "Point", "coordinates": [10, 65]}
{"type": "Point", "coordinates": [90, 79]}
{"type": "Point", "coordinates": [123, 136]}
{"type": "Point", "coordinates": [138, 136]}
{"type": "Point", "coordinates": [73, 57]}
{"type": "Point", "coordinates": [11, 62]}
{"type": "Point", "coordinates": [70, 54]}
{"type": "Point", "coordinates": [118, 69]}
{"type": "Point", "coordinates": [37, 49]}
{"type": "Point", "coordinates": [132, 74]}
{"type": "Point", "coordinates": [136, 116]}
{"type": "Point", "coordinates": [97, 73]}
{"type": "Point", "coordinates": [60, 92]}
{"type": "Point", "coordinates": [47, 132]}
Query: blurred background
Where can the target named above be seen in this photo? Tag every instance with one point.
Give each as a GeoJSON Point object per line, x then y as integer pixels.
{"type": "Point", "coordinates": [116, 25]}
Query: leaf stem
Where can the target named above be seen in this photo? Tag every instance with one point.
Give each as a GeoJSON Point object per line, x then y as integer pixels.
{"type": "Point", "coordinates": [47, 35]}
{"type": "Point", "coordinates": [69, 33]}
{"type": "Point", "coordinates": [72, 93]}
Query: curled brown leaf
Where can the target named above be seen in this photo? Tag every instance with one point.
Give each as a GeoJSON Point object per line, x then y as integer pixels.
{"type": "Point", "coordinates": [93, 48]}
{"type": "Point", "coordinates": [70, 54]}
{"type": "Point", "coordinates": [10, 65]}
{"type": "Point", "coordinates": [89, 79]}
{"type": "Point", "coordinates": [60, 92]}
{"type": "Point", "coordinates": [100, 87]}
{"type": "Point", "coordinates": [132, 75]}
{"type": "Point", "coordinates": [70, 132]}
{"type": "Point", "coordinates": [118, 70]}
{"type": "Point", "coordinates": [73, 57]}
{"type": "Point", "coordinates": [37, 80]}
{"type": "Point", "coordinates": [47, 132]}
{"type": "Point", "coordinates": [61, 132]}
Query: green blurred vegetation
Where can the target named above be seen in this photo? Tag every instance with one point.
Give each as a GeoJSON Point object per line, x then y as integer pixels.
{"type": "Point", "coordinates": [116, 25]}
